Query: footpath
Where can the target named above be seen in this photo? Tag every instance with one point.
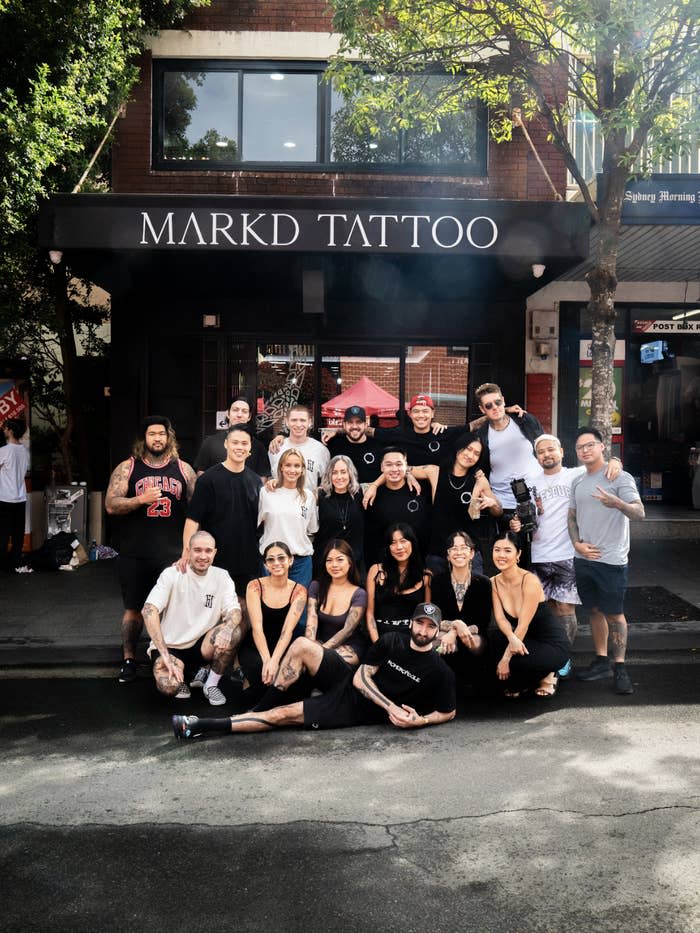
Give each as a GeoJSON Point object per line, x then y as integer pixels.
{"type": "Point", "coordinates": [72, 618]}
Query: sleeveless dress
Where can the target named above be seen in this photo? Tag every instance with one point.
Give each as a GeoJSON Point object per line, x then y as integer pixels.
{"type": "Point", "coordinates": [546, 642]}
{"type": "Point", "coordinates": [272, 622]}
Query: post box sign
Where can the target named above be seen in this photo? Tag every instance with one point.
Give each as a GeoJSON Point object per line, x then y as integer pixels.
{"type": "Point", "coordinates": [688, 326]}
{"type": "Point", "coordinates": [12, 403]}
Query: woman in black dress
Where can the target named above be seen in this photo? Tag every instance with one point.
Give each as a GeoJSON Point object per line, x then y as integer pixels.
{"type": "Point", "coordinates": [465, 601]}
{"type": "Point", "coordinates": [275, 604]}
{"type": "Point", "coordinates": [340, 512]}
{"type": "Point", "coordinates": [397, 585]}
{"type": "Point", "coordinates": [530, 645]}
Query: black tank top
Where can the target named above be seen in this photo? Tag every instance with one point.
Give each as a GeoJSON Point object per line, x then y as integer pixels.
{"type": "Point", "coordinates": [154, 532]}
{"type": "Point", "coordinates": [393, 611]}
{"type": "Point", "coordinates": [273, 619]}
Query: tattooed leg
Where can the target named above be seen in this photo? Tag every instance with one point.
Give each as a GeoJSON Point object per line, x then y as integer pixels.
{"type": "Point", "coordinates": [132, 626]}
{"type": "Point", "coordinates": [566, 614]}
{"type": "Point", "coordinates": [618, 636]}
{"type": "Point", "coordinates": [221, 643]}
{"type": "Point", "coordinates": [291, 715]}
{"type": "Point", "coordinates": [599, 632]}
{"type": "Point", "coordinates": [302, 656]}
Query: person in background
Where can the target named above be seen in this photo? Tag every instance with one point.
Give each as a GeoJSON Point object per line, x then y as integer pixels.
{"type": "Point", "coordinates": [213, 448]}
{"type": "Point", "coordinates": [315, 454]}
{"type": "Point", "coordinates": [354, 442]}
{"type": "Point", "coordinates": [14, 463]}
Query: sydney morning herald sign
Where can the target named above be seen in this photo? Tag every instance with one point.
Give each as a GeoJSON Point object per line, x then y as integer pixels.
{"type": "Point", "coordinates": [662, 199]}
{"type": "Point", "coordinates": [176, 223]}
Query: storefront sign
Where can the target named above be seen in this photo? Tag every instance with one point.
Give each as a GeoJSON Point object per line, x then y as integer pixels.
{"type": "Point", "coordinates": [691, 326]}
{"type": "Point", "coordinates": [128, 222]}
{"type": "Point", "coordinates": [11, 402]}
{"type": "Point", "coordinates": [662, 199]}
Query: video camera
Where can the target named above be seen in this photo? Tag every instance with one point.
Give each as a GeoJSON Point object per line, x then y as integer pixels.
{"type": "Point", "coordinates": [525, 509]}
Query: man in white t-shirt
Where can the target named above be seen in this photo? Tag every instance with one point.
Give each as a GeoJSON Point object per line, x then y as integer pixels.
{"type": "Point", "coordinates": [14, 463]}
{"type": "Point", "coordinates": [552, 552]}
{"type": "Point", "coordinates": [195, 624]}
{"type": "Point", "coordinates": [315, 453]}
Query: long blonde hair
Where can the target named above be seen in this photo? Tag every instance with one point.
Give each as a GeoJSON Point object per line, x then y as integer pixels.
{"type": "Point", "coordinates": [301, 481]}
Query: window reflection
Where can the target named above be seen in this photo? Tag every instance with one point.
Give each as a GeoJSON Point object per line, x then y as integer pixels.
{"type": "Point", "coordinates": [443, 374]}
{"type": "Point", "coordinates": [279, 117]}
{"type": "Point", "coordinates": [199, 115]}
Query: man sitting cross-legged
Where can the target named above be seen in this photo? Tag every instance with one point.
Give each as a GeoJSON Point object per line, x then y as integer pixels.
{"type": "Point", "coordinates": [194, 619]}
{"type": "Point", "coordinates": [402, 681]}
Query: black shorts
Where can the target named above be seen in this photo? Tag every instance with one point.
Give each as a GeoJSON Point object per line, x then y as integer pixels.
{"type": "Point", "coordinates": [332, 670]}
{"type": "Point", "coordinates": [137, 577]}
{"type": "Point", "coordinates": [191, 657]}
{"type": "Point", "coordinates": [339, 707]}
{"type": "Point", "coordinates": [601, 586]}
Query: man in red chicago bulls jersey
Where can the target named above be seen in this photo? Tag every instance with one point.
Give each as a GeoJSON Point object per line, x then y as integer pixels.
{"type": "Point", "coordinates": [149, 492]}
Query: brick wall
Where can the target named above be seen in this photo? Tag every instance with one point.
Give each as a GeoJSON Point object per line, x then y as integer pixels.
{"type": "Point", "coordinates": [512, 170]}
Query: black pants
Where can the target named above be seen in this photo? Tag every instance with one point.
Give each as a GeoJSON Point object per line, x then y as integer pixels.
{"type": "Point", "coordinates": [12, 530]}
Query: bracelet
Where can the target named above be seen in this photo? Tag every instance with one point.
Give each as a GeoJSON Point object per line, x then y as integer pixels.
{"type": "Point", "coordinates": [615, 458]}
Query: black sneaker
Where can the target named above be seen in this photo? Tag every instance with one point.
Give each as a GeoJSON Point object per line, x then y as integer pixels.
{"type": "Point", "coordinates": [599, 669]}
{"type": "Point", "coordinates": [128, 671]}
{"type": "Point", "coordinates": [621, 680]}
{"type": "Point", "coordinates": [185, 727]}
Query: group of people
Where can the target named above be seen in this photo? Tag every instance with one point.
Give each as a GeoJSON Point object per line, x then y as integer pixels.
{"type": "Point", "coordinates": [355, 578]}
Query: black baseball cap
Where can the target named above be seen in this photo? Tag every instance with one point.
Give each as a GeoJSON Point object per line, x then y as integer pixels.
{"type": "Point", "coordinates": [428, 611]}
{"type": "Point", "coordinates": [355, 411]}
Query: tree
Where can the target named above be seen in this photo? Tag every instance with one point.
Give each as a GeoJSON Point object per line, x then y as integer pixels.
{"type": "Point", "coordinates": [66, 68]}
{"type": "Point", "coordinates": [631, 64]}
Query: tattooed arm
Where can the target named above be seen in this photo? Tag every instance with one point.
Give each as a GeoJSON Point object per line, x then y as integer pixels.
{"type": "Point", "coordinates": [352, 620]}
{"type": "Point", "coordinates": [403, 717]}
{"type": "Point", "coordinates": [151, 618]}
{"type": "Point", "coordinates": [290, 623]}
{"type": "Point", "coordinates": [116, 500]}
{"type": "Point", "coordinates": [191, 478]}
{"type": "Point", "coordinates": [311, 619]}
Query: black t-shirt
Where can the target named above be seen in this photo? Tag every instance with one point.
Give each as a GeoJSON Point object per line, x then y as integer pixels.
{"type": "Point", "coordinates": [213, 451]}
{"type": "Point", "coordinates": [476, 608]}
{"type": "Point", "coordinates": [420, 679]}
{"type": "Point", "coordinates": [365, 456]}
{"type": "Point", "coordinates": [420, 448]}
{"type": "Point", "coordinates": [397, 505]}
{"type": "Point", "coordinates": [226, 505]}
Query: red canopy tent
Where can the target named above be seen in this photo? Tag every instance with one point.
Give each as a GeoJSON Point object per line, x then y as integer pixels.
{"type": "Point", "coordinates": [365, 393]}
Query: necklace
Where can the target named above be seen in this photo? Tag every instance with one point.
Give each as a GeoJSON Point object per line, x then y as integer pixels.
{"type": "Point", "coordinates": [454, 485]}
{"type": "Point", "coordinates": [504, 426]}
{"type": "Point", "coordinates": [342, 513]}
{"type": "Point", "coordinates": [460, 589]}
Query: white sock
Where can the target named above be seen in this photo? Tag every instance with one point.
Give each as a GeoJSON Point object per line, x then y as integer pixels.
{"type": "Point", "coordinates": [212, 680]}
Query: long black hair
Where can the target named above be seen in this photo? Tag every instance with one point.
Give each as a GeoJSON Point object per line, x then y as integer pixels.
{"type": "Point", "coordinates": [324, 578]}
{"type": "Point", "coordinates": [393, 580]}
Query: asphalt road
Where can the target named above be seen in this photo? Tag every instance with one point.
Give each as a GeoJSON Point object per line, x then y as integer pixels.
{"type": "Point", "coordinates": [579, 813]}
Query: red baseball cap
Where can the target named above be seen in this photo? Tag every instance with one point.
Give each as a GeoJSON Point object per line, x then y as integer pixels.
{"type": "Point", "coordinates": [421, 400]}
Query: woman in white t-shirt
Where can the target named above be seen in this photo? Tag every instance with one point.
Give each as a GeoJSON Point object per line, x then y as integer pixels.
{"type": "Point", "coordinates": [289, 513]}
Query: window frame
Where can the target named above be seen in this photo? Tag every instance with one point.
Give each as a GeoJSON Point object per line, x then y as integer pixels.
{"type": "Point", "coordinates": [159, 163]}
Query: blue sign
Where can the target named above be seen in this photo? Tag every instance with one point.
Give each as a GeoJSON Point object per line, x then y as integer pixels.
{"type": "Point", "coordinates": [662, 199]}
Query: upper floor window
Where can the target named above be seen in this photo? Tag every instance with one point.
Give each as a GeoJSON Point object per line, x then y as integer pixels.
{"type": "Point", "coordinates": [228, 114]}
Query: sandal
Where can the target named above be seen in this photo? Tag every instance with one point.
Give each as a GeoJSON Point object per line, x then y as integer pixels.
{"type": "Point", "coordinates": [547, 687]}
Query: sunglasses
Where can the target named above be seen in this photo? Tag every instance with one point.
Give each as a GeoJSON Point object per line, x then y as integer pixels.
{"type": "Point", "coordinates": [276, 560]}
{"type": "Point", "coordinates": [496, 403]}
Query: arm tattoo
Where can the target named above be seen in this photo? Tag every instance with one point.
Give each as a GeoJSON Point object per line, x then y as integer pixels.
{"type": "Point", "coordinates": [572, 525]}
{"type": "Point", "coordinates": [352, 620]}
{"type": "Point", "coordinates": [116, 500]}
{"type": "Point", "coordinates": [148, 611]}
{"type": "Point", "coordinates": [368, 689]}
{"type": "Point", "coordinates": [191, 478]}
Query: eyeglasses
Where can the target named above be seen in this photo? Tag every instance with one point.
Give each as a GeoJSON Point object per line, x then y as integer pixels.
{"type": "Point", "coordinates": [280, 559]}
{"type": "Point", "coordinates": [587, 446]}
{"type": "Point", "coordinates": [496, 403]}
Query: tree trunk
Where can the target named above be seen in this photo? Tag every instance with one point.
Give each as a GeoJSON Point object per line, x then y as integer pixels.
{"type": "Point", "coordinates": [76, 416]}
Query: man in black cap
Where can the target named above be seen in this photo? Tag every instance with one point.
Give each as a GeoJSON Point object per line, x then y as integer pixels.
{"type": "Point", "coordinates": [149, 492]}
{"type": "Point", "coordinates": [355, 443]}
{"type": "Point", "coordinates": [403, 682]}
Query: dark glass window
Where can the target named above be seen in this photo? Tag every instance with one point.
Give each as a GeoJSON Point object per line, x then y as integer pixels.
{"type": "Point", "coordinates": [268, 113]}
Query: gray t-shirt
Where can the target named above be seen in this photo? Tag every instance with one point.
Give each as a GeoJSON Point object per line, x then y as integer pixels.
{"type": "Point", "coordinates": [608, 529]}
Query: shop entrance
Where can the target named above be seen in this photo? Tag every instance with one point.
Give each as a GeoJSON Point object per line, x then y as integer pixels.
{"type": "Point", "coordinates": [329, 377]}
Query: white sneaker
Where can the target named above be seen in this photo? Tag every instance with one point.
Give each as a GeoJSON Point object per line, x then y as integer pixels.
{"type": "Point", "coordinates": [183, 693]}
{"type": "Point", "coordinates": [199, 678]}
{"type": "Point", "coordinates": [214, 695]}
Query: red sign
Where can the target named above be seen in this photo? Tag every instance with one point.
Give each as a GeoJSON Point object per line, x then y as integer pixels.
{"type": "Point", "coordinates": [11, 403]}
{"type": "Point", "coordinates": [539, 398]}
